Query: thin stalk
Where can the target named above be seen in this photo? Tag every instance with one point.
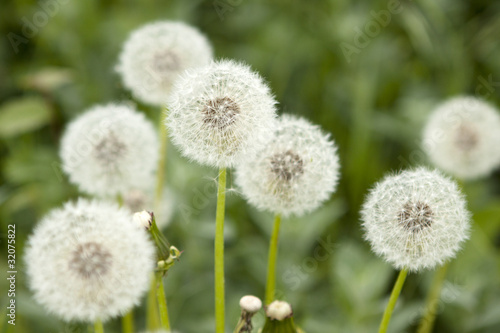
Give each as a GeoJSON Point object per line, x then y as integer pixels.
{"type": "Point", "coordinates": [162, 304]}
{"type": "Point", "coordinates": [392, 300]}
{"type": "Point", "coordinates": [160, 175]}
{"type": "Point", "coordinates": [98, 328]}
{"type": "Point", "coordinates": [219, 253]}
{"type": "Point", "coordinates": [271, 262]}
{"type": "Point", "coordinates": [128, 322]}
{"type": "Point", "coordinates": [152, 315]}
{"type": "Point", "coordinates": [432, 300]}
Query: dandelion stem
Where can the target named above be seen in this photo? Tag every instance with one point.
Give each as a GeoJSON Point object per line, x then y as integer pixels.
{"type": "Point", "coordinates": [128, 322]}
{"type": "Point", "coordinates": [432, 300]}
{"type": "Point", "coordinates": [392, 300]}
{"type": "Point", "coordinates": [271, 263]}
{"type": "Point", "coordinates": [160, 175]}
{"type": "Point", "coordinates": [152, 315]}
{"type": "Point", "coordinates": [162, 303]}
{"type": "Point", "coordinates": [219, 253]}
{"type": "Point", "coordinates": [98, 328]}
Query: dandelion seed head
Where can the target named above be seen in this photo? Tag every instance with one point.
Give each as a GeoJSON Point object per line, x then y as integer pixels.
{"type": "Point", "coordinates": [221, 113]}
{"type": "Point", "coordinates": [110, 149]}
{"type": "Point", "coordinates": [155, 54]}
{"type": "Point", "coordinates": [416, 219]}
{"type": "Point", "coordinates": [462, 137]}
{"type": "Point", "coordinates": [88, 261]}
{"type": "Point", "coordinates": [294, 173]}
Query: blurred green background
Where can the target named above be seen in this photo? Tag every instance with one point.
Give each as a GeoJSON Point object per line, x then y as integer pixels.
{"type": "Point", "coordinates": [371, 88]}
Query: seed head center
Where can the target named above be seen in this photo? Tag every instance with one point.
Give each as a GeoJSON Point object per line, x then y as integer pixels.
{"type": "Point", "coordinates": [466, 138]}
{"type": "Point", "coordinates": [220, 112]}
{"type": "Point", "coordinates": [416, 216]}
{"type": "Point", "coordinates": [109, 149]}
{"type": "Point", "coordinates": [90, 260]}
{"type": "Point", "coordinates": [287, 166]}
{"type": "Point", "coordinates": [165, 62]}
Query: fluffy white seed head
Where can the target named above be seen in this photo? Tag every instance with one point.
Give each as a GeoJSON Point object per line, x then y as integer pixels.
{"type": "Point", "coordinates": [155, 54]}
{"type": "Point", "coordinates": [416, 219]}
{"type": "Point", "coordinates": [221, 113]}
{"type": "Point", "coordinates": [250, 304]}
{"type": "Point", "coordinates": [462, 137]}
{"type": "Point", "coordinates": [110, 149]}
{"type": "Point", "coordinates": [89, 261]}
{"type": "Point", "coordinates": [294, 173]}
{"type": "Point", "coordinates": [279, 310]}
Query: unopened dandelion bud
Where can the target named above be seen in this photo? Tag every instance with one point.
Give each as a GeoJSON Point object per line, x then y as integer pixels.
{"type": "Point", "coordinates": [143, 219]}
{"type": "Point", "coordinates": [279, 318]}
{"type": "Point", "coordinates": [416, 219]}
{"type": "Point", "coordinates": [462, 137]}
{"type": "Point", "coordinates": [250, 304]}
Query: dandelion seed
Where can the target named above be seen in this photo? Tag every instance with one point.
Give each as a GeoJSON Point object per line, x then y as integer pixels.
{"type": "Point", "coordinates": [88, 261]}
{"type": "Point", "coordinates": [416, 219]}
{"type": "Point", "coordinates": [221, 113]}
{"type": "Point", "coordinates": [462, 137]}
{"type": "Point", "coordinates": [155, 54]}
{"type": "Point", "coordinates": [294, 173]}
{"type": "Point", "coordinates": [279, 310]}
{"type": "Point", "coordinates": [109, 150]}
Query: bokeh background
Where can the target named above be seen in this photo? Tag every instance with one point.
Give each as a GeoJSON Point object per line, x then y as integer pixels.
{"type": "Point", "coordinates": [369, 80]}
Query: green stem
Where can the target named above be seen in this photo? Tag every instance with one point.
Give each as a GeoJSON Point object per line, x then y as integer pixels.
{"type": "Point", "coordinates": [219, 253]}
{"type": "Point", "coordinates": [152, 315]}
{"type": "Point", "coordinates": [162, 303]}
{"type": "Point", "coordinates": [160, 176]}
{"type": "Point", "coordinates": [392, 300]}
{"type": "Point", "coordinates": [128, 322]}
{"type": "Point", "coordinates": [432, 300]}
{"type": "Point", "coordinates": [271, 262]}
{"type": "Point", "coordinates": [98, 328]}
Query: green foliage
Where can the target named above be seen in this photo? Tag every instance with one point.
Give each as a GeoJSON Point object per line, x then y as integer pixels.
{"type": "Point", "coordinates": [373, 102]}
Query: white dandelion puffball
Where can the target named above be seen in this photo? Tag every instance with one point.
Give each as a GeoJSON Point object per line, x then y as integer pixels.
{"type": "Point", "coordinates": [221, 113]}
{"type": "Point", "coordinates": [462, 137]}
{"type": "Point", "coordinates": [89, 261]}
{"type": "Point", "coordinates": [294, 173]}
{"type": "Point", "coordinates": [109, 150]}
{"type": "Point", "coordinates": [155, 54]}
{"type": "Point", "coordinates": [416, 219]}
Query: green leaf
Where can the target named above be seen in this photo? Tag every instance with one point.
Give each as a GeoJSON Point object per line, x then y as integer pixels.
{"type": "Point", "coordinates": [23, 115]}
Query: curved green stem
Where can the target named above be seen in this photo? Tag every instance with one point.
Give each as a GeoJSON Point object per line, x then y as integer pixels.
{"type": "Point", "coordinates": [128, 322]}
{"type": "Point", "coordinates": [392, 300]}
{"type": "Point", "coordinates": [98, 328]}
{"type": "Point", "coordinates": [162, 303]}
{"type": "Point", "coordinates": [427, 321]}
{"type": "Point", "coordinates": [271, 262]}
{"type": "Point", "coordinates": [160, 175]}
{"type": "Point", "coordinates": [219, 253]}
